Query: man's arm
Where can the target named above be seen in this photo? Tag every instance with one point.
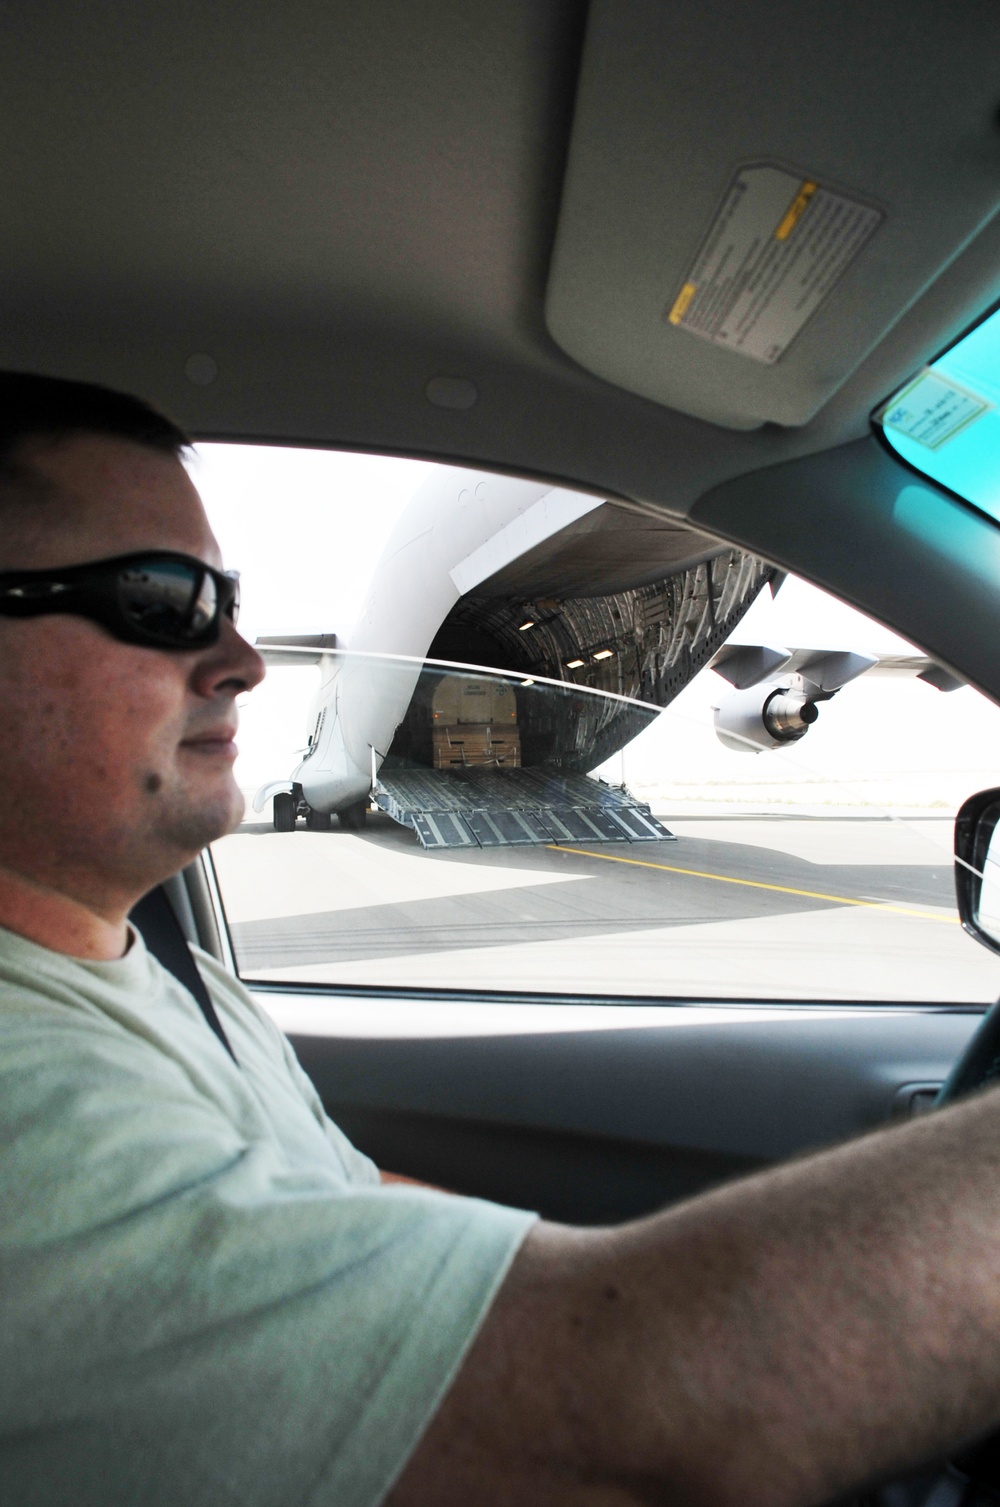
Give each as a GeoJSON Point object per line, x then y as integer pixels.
{"type": "Point", "coordinates": [776, 1342]}
{"type": "Point", "coordinates": [410, 1182]}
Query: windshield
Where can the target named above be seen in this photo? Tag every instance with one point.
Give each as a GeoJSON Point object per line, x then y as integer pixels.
{"type": "Point", "coordinates": [946, 421]}
{"type": "Point", "coordinates": [515, 740]}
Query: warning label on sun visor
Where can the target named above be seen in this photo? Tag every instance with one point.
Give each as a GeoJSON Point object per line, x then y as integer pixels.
{"type": "Point", "coordinates": [776, 248]}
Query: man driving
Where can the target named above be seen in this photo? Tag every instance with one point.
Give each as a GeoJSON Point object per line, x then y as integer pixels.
{"type": "Point", "coordinates": [209, 1296]}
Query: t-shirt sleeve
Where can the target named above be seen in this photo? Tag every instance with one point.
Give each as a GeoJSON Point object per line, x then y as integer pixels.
{"type": "Point", "coordinates": [234, 1001]}
{"type": "Point", "coordinates": [188, 1319]}
{"type": "Point", "coordinates": [360, 1168]}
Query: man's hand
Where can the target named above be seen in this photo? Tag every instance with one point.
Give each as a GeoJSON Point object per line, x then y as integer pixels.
{"type": "Point", "coordinates": [777, 1342]}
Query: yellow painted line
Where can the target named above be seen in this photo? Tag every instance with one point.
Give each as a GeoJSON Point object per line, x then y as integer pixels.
{"type": "Point", "coordinates": [758, 884]}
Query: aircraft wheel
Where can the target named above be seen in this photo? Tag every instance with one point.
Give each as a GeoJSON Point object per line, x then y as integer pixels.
{"type": "Point", "coordinates": [284, 812]}
{"type": "Point", "coordinates": [352, 818]}
{"type": "Point", "coordinates": [317, 821]}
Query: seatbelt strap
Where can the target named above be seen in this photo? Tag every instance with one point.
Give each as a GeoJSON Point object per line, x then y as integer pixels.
{"type": "Point", "coordinates": [163, 935]}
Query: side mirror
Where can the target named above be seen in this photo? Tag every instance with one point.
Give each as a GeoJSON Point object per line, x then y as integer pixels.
{"type": "Point", "coordinates": [977, 867]}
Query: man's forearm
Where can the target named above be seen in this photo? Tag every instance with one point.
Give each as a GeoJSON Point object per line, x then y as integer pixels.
{"type": "Point", "coordinates": [836, 1319]}
{"type": "Point", "coordinates": [775, 1342]}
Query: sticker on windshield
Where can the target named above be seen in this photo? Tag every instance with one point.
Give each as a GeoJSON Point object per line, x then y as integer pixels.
{"type": "Point", "coordinates": [933, 409]}
{"type": "Point", "coordinates": [776, 248]}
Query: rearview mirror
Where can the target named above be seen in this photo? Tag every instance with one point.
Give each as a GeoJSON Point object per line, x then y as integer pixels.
{"type": "Point", "coordinates": [977, 867]}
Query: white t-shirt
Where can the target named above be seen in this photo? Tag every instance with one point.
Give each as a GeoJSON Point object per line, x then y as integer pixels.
{"type": "Point", "coordinates": [206, 1297]}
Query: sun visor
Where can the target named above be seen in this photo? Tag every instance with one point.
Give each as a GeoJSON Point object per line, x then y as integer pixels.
{"type": "Point", "coordinates": [755, 194]}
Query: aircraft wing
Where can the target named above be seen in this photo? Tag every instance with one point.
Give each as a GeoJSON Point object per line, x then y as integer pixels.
{"type": "Point", "coordinates": [776, 689]}
{"type": "Point", "coordinates": [745, 665]}
{"type": "Point", "coordinates": [295, 648]}
{"type": "Point", "coordinates": [920, 666]}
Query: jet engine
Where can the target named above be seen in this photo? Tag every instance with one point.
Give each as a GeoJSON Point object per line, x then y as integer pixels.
{"type": "Point", "coordinates": [766, 716]}
{"type": "Point", "coordinates": [777, 690]}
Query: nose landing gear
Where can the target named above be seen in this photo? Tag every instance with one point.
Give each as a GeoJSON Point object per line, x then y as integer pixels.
{"type": "Point", "coordinates": [285, 811]}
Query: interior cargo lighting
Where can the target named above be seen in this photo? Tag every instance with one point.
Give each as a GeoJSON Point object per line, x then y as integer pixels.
{"type": "Point", "coordinates": [525, 626]}
{"type": "Point", "coordinates": [574, 664]}
{"type": "Point", "coordinates": [527, 682]}
{"type": "Point", "coordinates": [605, 654]}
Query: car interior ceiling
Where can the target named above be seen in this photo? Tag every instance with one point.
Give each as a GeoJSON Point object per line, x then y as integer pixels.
{"type": "Point", "coordinates": [413, 236]}
{"type": "Point", "coordinates": [341, 208]}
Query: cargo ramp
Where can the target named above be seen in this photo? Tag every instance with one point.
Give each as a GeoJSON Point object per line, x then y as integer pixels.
{"type": "Point", "coordinates": [493, 808]}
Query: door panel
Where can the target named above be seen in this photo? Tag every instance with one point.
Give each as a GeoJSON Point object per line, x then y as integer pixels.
{"type": "Point", "coordinates": [592, 1125]}
{"type": "Point", "coordinates": [566, 1176]}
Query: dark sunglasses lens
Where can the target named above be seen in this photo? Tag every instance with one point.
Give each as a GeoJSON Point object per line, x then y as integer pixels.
{"type": "Point", "coordinates": [171, 601]}
{"type": "Point", "coordinates": [234, 606]}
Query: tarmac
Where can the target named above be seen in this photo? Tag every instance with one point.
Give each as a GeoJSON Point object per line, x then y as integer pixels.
{"type": "Point", "coordinates": [744, 906]}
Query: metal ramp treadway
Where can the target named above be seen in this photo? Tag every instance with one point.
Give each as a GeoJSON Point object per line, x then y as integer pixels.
{"type": "Point", "coordinates": [491, 808]}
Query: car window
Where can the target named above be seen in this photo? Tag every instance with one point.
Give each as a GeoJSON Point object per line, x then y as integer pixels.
{"type": "Point", "coordinates": [471, 769]}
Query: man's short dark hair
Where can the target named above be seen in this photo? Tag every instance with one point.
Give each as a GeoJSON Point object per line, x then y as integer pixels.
{"type": "Point", "coordinates": [52, 406]}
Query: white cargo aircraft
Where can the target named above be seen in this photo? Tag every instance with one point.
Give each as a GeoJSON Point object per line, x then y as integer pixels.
{"type": "Point", "coordinates": [556, 588]}
{"type": "Point", "coordinates": [461, 528]}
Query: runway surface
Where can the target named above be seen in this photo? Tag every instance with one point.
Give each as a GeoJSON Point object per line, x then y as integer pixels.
{"type": "Point", "coordinates": [744, 907]}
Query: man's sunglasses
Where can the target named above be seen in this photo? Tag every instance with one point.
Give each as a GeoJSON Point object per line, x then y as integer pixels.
{"type": "Point", "coordinates": [157, 598]}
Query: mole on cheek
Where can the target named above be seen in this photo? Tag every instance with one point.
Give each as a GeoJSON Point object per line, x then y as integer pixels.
{"type": "Point", "coordinates": [152, 783]}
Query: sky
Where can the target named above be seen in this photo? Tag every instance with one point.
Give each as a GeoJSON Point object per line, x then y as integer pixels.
{"type": "Point", "coordinates": [306, 527]}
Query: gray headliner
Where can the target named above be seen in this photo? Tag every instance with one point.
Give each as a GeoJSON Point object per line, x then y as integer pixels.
{"type": "Point", "coordinates": [339, 204]}
{"type": "Point", "coordinates": [900, 114]}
